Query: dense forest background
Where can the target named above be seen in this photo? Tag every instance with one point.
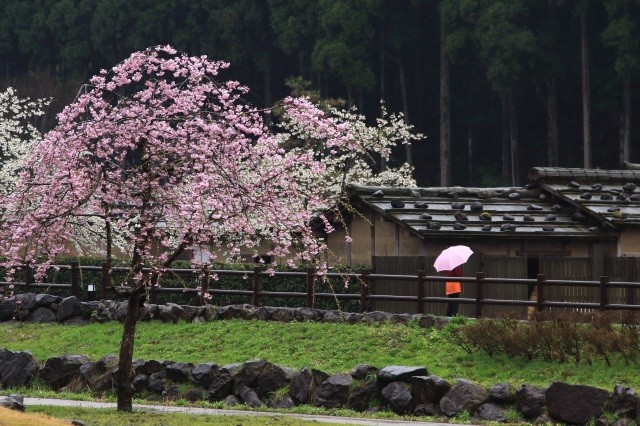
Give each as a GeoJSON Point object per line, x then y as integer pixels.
{"type": "Point", "coordinates": [497, 86]}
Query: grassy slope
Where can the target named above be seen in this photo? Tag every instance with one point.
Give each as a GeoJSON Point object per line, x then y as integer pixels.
{"type": "Point", "coordinates": [329, 347]}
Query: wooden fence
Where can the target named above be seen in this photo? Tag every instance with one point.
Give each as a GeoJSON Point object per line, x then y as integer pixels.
{"type": "Point", "coordinates": [604, 292]}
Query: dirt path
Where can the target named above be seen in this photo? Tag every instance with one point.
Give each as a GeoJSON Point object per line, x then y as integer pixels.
{"type": "Point", "coordinates": [217, 412]}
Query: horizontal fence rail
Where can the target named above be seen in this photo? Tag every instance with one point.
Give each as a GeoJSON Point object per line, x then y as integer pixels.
{"type": "Point", "coordinates": [204, 280]}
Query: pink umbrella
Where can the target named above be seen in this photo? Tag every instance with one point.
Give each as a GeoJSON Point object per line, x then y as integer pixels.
{"type": "Point", "coordinates": [452, 257]}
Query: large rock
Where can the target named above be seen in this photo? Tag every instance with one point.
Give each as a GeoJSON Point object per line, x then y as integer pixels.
{"type": "Point", "coordinates": [624, 402]}
{"type": "Point", "coordinates": [428, 389]}
{"type": "Point", "coordinates": [424, 321]}
{"type": "Point", "coordinates": [271, 378]}
{"type": "Point", "coordinates": [363, 372]}
{"type": "Point", "coordinates": [17, 368]}
{"type": "Point", "coordinates": [491, 412]}
{"type": "Point", "coordinates": [8, 309]}
{"type": "Point", "coordinates": [25, 303]}
{"type": "Point", "coordinates": [333, 316]}
{"type": "Point", "coordinates": [11, 403]}
{"type": "Point", "coordinates": [247, 375]}
{"type": "Point", "coordinates": [464, 395]}
{"type": "Point", "coordinates": [46, 300]}
{"type": "Point", "coordinates": [210, 312]}
{"type": "Point", "coordinates": [42, 315]}
{"type": "Point", "coordinates": [334, 392]}
{"type": "Point", "coordinates": [146, 367]}
{"type": "Point", "coordinates": [190, 312]}
{"type": "Point", "coordinates": [157, 382]}
{"type": "Point", "coordinates": [283, 314]}
{"type": "Point", "coordinates": [88, 308]}
{"type": "Point", "coordinates": [98, 375]}
{"type": "Point", "coordinates": [362, 395]}
{"type": "Point", "coordinates": [283, 402]}
{"type": "Point", "coordinates": [308, 314]}
{"type": "Point", "coordinates": [59, 371]}
{"type": "Point", "coordinates": [529, 401]}
{"type": "Point", "coordinates": [120, 310]}
{"type": "Point", "coordinates": [140, 383]}
{"type": "Point", "coordinates": [377, 317]}
{"type": "Point", "coordinates": [250, 397]}
{"type": "Point", "coordinates": [149, 311]}
{"type": "Point", "coordinates": [398, 396]}
{"type": "Point", "coordinates": [502, 393]}
{"type": "Point", "coordinates": [170, 312]}
{"type": "Point", "coordinates": [575, 404]}
{"type": "Point", "coordinates": [68, 308]}
{"type": "Point", "coordinates": [221, 385]}
{"type": "Point", "coordinates": [304, 384]}
{"type": "Point", "coordinates": [244, 311]}
{"type": "Point", "coordinates": [398, 373]}
{"type": "Point", "coordinates": [203, 373]}
{"type": "Point", "coordinates": [171, 393]}
{"type": "Point", "coordinates": [179, 372]}
{"type": "Point", "coordinates": [426, 409]}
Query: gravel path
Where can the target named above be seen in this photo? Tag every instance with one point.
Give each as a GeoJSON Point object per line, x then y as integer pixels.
{"type": "Point", "coordinates": [217, 412]}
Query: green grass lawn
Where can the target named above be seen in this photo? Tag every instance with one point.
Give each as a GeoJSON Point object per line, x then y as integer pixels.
{"type": "Point", "coordinates": [328, 347]}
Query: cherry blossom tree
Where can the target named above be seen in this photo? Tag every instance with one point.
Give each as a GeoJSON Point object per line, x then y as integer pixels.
{"type": "Point", "coordinates": [347, 166]}
{"type": "Point", "coordinates": [18, 134]}
{"type": "Point", "coordinates": [352, 166]}
{"type": "Point", "coordinates": [171, 159]}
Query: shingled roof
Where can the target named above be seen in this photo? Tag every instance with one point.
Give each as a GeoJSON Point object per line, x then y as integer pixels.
{"type": "Point", "coordinates": [500, 212]}
{"type": "Point", "coordinates": [611, 197]}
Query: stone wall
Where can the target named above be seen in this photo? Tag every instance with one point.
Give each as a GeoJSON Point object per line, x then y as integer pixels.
{"type": "Point", "coordinates": [42, 308]}
{"type": "Point", "coordinates": [402, 389]}
{"type": "Point", "coordinates": [258, 383]}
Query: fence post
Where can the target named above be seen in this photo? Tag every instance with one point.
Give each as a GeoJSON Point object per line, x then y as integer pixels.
{"type": "Point", "coordinates": [604, 297]}
{"type": "Point", "coordinates": [28, 277]}
{"type": "Point", "coordinates": [153, 294]}
{"type": "Point", "coordinates": [256, 286]}
{"type": "Point", "coordinates": [75, 278]}
{"type": "Point", "coordinates": [420, 301]}
{"type": "Point", "coordinates": [104, 282]}
{"type": "Point", "coordinates": [479, 298]}
{"type": "Point", "coordinates": [311, 279]}
{"type": "Point", "coordinates": [364, 290]}
{"type": "Point", "coordinates": [204, 284]}
{"type": "Point", "coordinates": [540, 293]}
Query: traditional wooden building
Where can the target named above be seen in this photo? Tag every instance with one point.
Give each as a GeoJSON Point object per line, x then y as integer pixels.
{"type": "Point", "coordinates": [566, 223]}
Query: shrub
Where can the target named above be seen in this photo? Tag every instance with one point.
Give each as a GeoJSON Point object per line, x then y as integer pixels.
{"type": "Point", "coordinates": [558, 336]}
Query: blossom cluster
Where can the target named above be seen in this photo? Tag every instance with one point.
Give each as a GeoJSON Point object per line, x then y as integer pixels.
{"type": "Point", "coordinates": [18, 134]}
{"type": "Point", "coordinates": [168, 158]}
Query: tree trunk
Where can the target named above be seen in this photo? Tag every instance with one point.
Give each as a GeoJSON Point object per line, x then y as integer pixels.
{"type": "Point", "coordinates": [513, 138]}
{"type": "Point", "coordinates": [506, 150]}
{"type": "Point", "coordinates": [552, 123]}
{"type": "Point", "coordinates": [626, 120]}
{"type": "Point", "coordinates": [470, 162]}
{"type": "Point", "coordinates": [382, 65]}
{"type": "Point", "coordinates": [360, 99]}
{"type": "Point", "coordinates": [586, 96]}
{"type": "Point", "coordinates": [124, 385]}
{"type": "Point", "coordinates": [445, 116]}
{"type": "Point", "coordinates": [267, 84]}
{"type": "Point", "coordinates": [405, 105]}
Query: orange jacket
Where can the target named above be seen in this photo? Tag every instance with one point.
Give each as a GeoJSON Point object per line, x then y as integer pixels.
{"type": "Point", "coordinates": [453, 287]}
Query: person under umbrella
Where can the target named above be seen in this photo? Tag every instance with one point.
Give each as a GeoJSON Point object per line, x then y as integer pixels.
{"type": "Point", "coordinates": [453, 290]}
{"type": "Point", "coordinates": [450, 261]}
